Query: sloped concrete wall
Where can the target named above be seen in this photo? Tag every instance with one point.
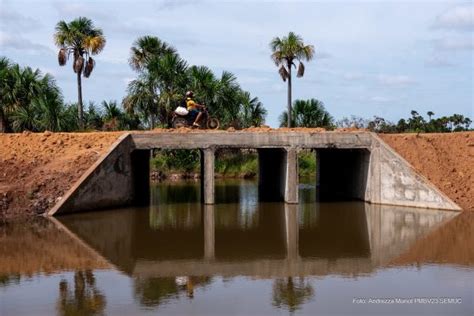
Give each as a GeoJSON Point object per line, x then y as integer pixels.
{"type": "Point", "coordinates": [119, 178]}
{"type": "Point", "coordinates": [393, 181]}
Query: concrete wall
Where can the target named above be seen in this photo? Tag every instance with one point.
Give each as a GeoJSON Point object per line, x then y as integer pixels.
{"type": "Point", "coordinates": [119, 178]}
{"type": "Point", "coordinates": [392, 180]}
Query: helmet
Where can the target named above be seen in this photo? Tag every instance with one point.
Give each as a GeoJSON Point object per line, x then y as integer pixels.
{"type": "Point", "coordinates": [189, 94]}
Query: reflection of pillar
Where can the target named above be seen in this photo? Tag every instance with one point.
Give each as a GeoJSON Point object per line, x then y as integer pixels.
{"type": "Point", "coordinates": [291, 230]}
{"type": "Point", "coordinates": [278, 174]}
{"type": "Point", "coordinates": [209, 232]}
{"type": "Point", "coordinates": [207, 176]}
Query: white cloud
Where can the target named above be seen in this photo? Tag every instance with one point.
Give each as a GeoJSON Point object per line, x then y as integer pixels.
{"type": "Point", "coordinates": [349, 76]}
{"type": "Point", "coordinates": [454, 43]}
{"type": "Point", "coordinates": [322, 54]}
{"type": "Point", "coordinates": [380, 99]}
{"type": "Point", "coordinates": [11, 20]}
{"type": "Point", "coordinates": [439, 62]}
{"type": "Point", "coordinates": [395, 80]}
{"type": "Point", "coordinates": [457, 18]}
{"type": "Point", "coordinates": [19, 43]}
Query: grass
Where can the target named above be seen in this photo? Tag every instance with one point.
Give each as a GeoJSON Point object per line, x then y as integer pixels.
{"type": "Point", "coordinates": [230, 164]}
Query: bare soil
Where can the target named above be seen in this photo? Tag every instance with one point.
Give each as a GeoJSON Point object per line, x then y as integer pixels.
{"type": "Point", "coordinates": [447, 160]}
{"type": "Point", "coordinates": [36, 169]}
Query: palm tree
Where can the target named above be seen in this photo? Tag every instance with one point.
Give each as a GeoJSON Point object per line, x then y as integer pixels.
{"type": "Point", "coordinates": [168, 71]}
{"type": "Point", "coordinates": [253, 112]}
{"type": "Point", "coordinates": [285, 51]}
{"type": "Point", "coordinates": [430, 114]}
{"type": "Point", "coordinates": [142, 99]}
{"type": "Point", "coordinates": [145, 48]}
{"type": "Point", "coordinates": [6, 88]}
{"type": "Point", "coordinates": [80, 39]}
{"type": "Point", "coordinates": [308, 113]}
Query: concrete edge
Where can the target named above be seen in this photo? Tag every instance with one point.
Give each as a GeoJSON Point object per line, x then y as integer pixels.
{"type": "Point", "coordinates": [456, 207]}
{"type": "Point", "coordinates": [86, 175]}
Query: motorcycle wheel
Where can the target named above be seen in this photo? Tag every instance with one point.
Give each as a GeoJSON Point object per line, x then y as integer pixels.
{"type": "Point", "coordinates": [179, 122]}
{"type": "Point", "coordinates": [213, 123]}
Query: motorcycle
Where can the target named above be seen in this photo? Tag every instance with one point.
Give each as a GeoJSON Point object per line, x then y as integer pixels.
{"type": "Point", "coordinates": [184, 119]}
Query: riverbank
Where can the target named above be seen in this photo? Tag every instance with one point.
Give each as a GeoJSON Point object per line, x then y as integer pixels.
{"type": "Point", "coordinates": [36, 169]}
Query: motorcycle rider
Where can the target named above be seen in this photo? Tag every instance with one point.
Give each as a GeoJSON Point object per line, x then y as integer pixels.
{"type": "Point", "coordinates": [193, 108]}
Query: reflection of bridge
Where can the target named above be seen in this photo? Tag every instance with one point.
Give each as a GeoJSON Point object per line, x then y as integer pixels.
{"type": "Point", "coordinates": [277, 240]}
{"type": "Point", "coordinates": [350, 166]}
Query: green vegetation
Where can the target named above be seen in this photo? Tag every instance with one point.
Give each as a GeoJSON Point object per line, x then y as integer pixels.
{"type": "Point", "coordinates": [306, 163]}
{"type": "Point", "coordinates": [229, 163]}
{"type": "Point", "coordinates": [30, 100]}
{"type": "Point", "coordinates": [163, 78]}
{"type": "Point", "coordinates": [414, 124]}
{"type": "Point", "coordinates": [80, 39]}
{"type": "Point", "coordinates": [308, 113]}
{"type": "Point", "coordinates": [285, 51]}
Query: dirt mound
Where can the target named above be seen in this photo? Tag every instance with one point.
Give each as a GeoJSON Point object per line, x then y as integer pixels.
{"type": "Point", "coordinates": [447, 160]}
{"type": "Point", "coordinates": [36, 169]}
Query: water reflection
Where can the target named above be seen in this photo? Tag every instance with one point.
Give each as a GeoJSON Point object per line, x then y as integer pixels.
{"type": "Point", "coordinates": [176, 247]}
{"type": "Point", "coordinates": [291, 293]}
{"type": "Point", "coordinates": [83, 299]}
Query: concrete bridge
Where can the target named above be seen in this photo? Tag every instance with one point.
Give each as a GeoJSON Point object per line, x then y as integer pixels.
{"type": "Point", "coordinates": [350, 165]}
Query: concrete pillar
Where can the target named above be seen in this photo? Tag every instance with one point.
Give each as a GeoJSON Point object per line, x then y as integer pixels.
{"type": "Point", "coordinates": [209, 232]}
{"type": "Point", "coordinates": [291, 176]}
{"type": "Point", "coordinates": [278, 174]}
{"type": "Point", "coordinates": [291, 231]}
{"type": "Point", "coordinates": [207, 175]}
{"type": "Point", "coordinates": [140, 160]}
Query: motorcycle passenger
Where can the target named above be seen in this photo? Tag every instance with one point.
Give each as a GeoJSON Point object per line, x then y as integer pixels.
{"type": "Point", "coordinates": [193, 108]}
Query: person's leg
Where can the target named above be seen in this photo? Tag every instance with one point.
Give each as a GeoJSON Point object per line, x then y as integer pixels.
{"type": "Point", "coordinates": [198, 118]}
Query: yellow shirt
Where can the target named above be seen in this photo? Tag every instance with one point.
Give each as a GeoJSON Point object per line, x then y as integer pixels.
{"type": "Point", "coordinates": [190, 104]}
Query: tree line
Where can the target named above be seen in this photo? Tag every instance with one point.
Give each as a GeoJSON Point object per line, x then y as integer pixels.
{"type": "Point", "coordinates": [416, 123]}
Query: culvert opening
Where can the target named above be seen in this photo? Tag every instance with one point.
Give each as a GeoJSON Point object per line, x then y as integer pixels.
{"type": "Point", "coordinates": [341, 174]}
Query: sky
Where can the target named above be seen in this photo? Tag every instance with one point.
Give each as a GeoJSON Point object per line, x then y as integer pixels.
{"type": "Point", "coordinates": [382, 58]}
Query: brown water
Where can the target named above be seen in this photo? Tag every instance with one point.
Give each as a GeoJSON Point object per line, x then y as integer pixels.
{"type": "Point", "coordinates": [239, 257]}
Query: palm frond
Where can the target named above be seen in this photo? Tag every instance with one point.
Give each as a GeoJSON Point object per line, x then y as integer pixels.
{"type": "Point", "coordinates": [78, 64]}
{"type": "Point", "coordinates": [283, 73]}
{"type": "Point", "coordinates": [300, 72]}
{"type": "Point", "coordinates": [89, 67]}
{"type": "Point", "coordinates": [62, 56]}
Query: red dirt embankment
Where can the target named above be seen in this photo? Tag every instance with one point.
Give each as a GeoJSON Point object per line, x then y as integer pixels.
{"type": "Point", "coordinates": [447, 160]}
{"type": "Point", "coordinates": [36, 169]}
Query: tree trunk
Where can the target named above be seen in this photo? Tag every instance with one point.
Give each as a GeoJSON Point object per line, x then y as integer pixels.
{"type": "Point", "coordinates": [289, 94]}
{"type": "Point", "coordinates": [79, 101]}
{"type": "Point", "coordinates": [4, 126]}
